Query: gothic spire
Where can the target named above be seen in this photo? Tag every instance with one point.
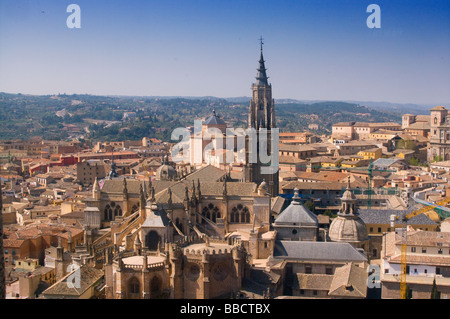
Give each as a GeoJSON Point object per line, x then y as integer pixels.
{"type": "Point", "coordinates": [262, 78]}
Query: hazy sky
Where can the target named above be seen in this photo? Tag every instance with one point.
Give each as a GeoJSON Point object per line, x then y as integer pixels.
{"type": "Point", "coordinates": [314, 49]}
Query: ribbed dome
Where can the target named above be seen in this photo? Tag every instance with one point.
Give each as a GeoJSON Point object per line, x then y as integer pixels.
{"type": "Point", "coordinates": [166, 172]}
{"type": "Point", "coordinates": [348, 195]}
{"type": "Point", "coordinates": [349, 228]}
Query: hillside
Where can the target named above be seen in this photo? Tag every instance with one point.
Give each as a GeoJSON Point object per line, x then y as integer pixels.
{"type": "Point", "coordinates": [102, 117]}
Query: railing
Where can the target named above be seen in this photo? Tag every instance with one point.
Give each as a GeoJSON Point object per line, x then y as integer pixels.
{"type": "Point", "coordinates": [118, 237]}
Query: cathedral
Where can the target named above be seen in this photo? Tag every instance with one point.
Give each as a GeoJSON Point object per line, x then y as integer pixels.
{"type": "Point", "coordinates": [187, 233]}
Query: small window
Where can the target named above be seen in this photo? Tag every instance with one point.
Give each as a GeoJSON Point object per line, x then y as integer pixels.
{"type": "Point", "coordinates": [315, 292]}
{"type": "Point", "coordinates": [424, 250]}
{"type": "Point", "coordinates": [440, 251]}
{"type": "Point", "coordinates": [413, 249]}
{"type": "Point", "coordinates": [379, 229]}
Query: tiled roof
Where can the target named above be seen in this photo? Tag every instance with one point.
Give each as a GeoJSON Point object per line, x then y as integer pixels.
{"type": "Point", "coordinates": [207, 173]}
{"type": "Point", "coordinates": [312, 281]}
{"type": "Point", "coordinates": [349, 281]}
{"type": "Point", "coordinates": [88, 277]}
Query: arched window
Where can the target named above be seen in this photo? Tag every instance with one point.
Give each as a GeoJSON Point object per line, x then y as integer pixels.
{"type": "Point", "coordinates": [211, 212]}
{"type": "Point", "coordinates": [435, 120]}
{"type": "Point", "coordinates": [133, 286]}
{"type": "Point", "coordinates": [117, 211]}
{"type": "Point", "coordinates": [108, 213]}
{"type": "Point", "coordinates": [152, 240]}
{"type": "Point", "coordinates": [234, 216]}
{"type": "Point", "coordinates": [155, 287]}
{"type": "Point", "coordinates": [240, 214]}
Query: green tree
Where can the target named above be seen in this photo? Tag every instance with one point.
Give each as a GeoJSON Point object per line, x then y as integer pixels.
{"type": "Point", "coordinates": [413, 161]}
{"type": "Point", "coordinates": [438, 159]}
{"type": "Point", "coordinates": [435, 294]}
{"type": "Point", "coordinates": [406, 144]}
{"type": "Point", "coordinates": [310, 205]}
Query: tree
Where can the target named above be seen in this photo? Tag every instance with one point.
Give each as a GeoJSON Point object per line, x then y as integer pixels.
{"type": "Point", "coordinates": [435, 294]}
{"type": "Point", "coordinates": [438, 159]}
{"type": "Point", "coordinates": [310, 205]}
{"type": "Point", "coordinates": [413, 161]}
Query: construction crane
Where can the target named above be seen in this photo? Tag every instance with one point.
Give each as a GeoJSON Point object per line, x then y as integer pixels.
{"type": "Point", "coordinates": [404, 246]}
{"type": "Point", "coordinates": [146, 171]}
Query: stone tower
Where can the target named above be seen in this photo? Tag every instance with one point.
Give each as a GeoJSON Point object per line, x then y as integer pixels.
{"type": "Point", "coordinates": [261, 116]}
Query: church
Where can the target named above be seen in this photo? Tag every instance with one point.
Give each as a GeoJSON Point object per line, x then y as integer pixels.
{"type": "Point", "coordinates": [190, 232]}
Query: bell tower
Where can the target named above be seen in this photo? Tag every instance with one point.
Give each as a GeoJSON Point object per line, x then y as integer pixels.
{"type": "Point", "coordinates": [261, 116]}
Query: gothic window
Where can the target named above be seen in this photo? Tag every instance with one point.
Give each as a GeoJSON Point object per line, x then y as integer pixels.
{"type": "Point", "coordinates": [155, 287]}
{"type": "Point", "coordinates": [240, 214]}
{"type": "Point", "coordinates": [211, 212]}
{"type": "Point", "coordinates": [152, 240]}
{"type": "Point", "coordinates": [117, 211]}
{"type": "Point", "coordinates": [193, 271]}
{"type": "Point", "coordinates": [435, 120]}
{"type": "Point", "coordinates": [133, 286]}
{"type": "Point", "coordinates": [108, 213]}
{"type": "Point", "coordinates": [134, 208]}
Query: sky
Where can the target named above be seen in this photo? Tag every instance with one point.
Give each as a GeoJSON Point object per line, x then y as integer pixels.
{"type": "Point", "coordinates": [314, 49]}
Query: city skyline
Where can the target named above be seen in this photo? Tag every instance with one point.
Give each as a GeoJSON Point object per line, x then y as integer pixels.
{"type": "Point", "coordinates": [313, 50]}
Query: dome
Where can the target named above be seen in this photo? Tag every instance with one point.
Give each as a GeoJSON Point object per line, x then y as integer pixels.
{"type": "Point", "coordinates": [166, 172]}
{"type": "Point", "coordinates": [348, 195]}
{"type": "Point", "coordinates": [350, 228]}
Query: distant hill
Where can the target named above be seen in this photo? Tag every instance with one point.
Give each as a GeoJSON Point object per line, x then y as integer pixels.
{"type": "Point", "coordinates": [101, 117]}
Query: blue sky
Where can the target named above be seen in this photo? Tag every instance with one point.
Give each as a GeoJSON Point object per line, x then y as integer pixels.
{"type": "Point", "coordinates": [314, 49]}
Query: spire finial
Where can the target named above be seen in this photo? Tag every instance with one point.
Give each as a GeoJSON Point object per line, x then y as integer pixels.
{"type": "Point", "coordinates": [261, 43]}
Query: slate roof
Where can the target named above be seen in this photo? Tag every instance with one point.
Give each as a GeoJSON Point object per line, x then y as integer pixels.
{"type": "Point", "coordinates": [380, 216]}
{"type": "Point", "coordinates": [156, 219]}
{"type": "Point", "coordinates": [385, 162]}
{"type": "Point", "coordinates": [214, 120]}
{"type": "Point", "coordinates": [207, 189]}
{"type": "Point", "coordinates": [116, 186]}
{"type": "Point", "coordinates": [309, 250]}
{"type": "Point", "coordinates": [296, 214]}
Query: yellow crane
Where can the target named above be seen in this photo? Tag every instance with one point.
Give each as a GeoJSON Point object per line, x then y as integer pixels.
{"type": "Point", "coordinates": [146, 171]}
{"type": "Point", "coordinates": [404, 246]}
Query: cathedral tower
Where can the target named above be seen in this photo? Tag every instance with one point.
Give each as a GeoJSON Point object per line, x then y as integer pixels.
{"type": "Point", "coordinates": [261, 116]}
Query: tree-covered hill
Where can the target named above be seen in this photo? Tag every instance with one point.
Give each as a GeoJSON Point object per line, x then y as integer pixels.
{"type": "Point", "coordinates": [102, 117]}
